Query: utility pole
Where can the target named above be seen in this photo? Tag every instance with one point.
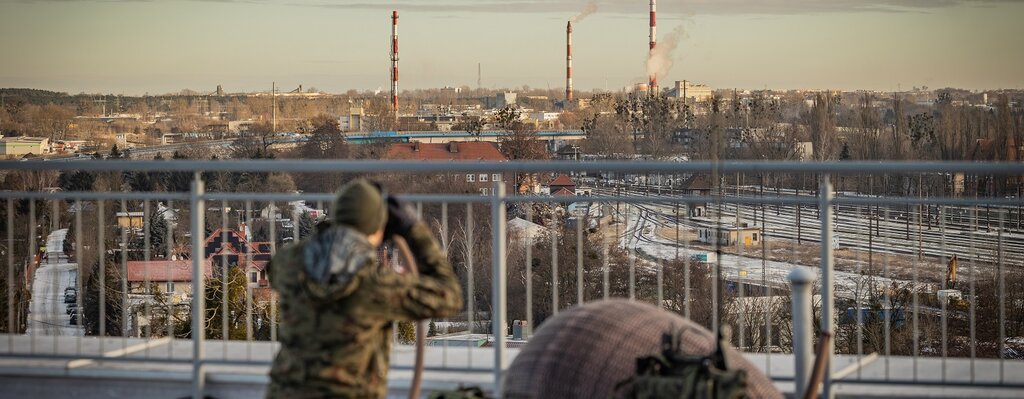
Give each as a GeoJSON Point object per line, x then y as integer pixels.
{"type": "Point", "coordinates": [394, 63]}
{"type": "Point", "coordinates": [920, 233]}
{"type": "Point", "coordinates": [799, 211]}
{"type": "Point", "coordinates": [737, 204]}
{"type": "Point", "coordinates": [273, 96]}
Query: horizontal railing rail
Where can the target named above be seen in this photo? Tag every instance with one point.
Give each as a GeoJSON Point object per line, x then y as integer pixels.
{"type": "Point", "coordinates": [887, 286]}
{"type": "Point", "coordinates": [636, 166]}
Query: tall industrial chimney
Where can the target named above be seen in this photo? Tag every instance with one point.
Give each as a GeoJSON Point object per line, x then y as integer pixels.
{"type": "Point", "coordinates": [568, 63]}
{"type": "Point", "coordinates": [654, 41]}
{"type": "Point", "coordinates": [394, 62]}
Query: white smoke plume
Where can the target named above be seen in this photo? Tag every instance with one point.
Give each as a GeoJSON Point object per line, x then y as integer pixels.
{"type": "Point", "coordinates": [589, 9]}
{"type": "Point", "coordinates": [659, 60]}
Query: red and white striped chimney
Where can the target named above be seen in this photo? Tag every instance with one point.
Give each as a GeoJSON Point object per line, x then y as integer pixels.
{"type": "Point", "coordinates": [394, 62]}
{"type": "Point", "coordinates": [654, 41]}
{"type": "Point", "coordinates": [568, 62]}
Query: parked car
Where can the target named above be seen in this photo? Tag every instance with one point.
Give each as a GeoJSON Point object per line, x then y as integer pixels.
{"type": "Point", "coordinates": [70, 295]}
{"type": "Point", "coordinates": [74, 319]}
{"type": "Point", "coordinates": [72, 308]}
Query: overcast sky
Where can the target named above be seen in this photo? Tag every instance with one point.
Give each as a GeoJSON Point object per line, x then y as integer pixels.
{"type": "Point", "coordinates": [135, 47]}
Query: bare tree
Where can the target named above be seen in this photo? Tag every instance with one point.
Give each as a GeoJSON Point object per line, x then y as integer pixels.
{"type": "Point", "coordinates": [654, 120]}
{"type": "Point", "coordinates": [380, 117]}
{"type": "Point", "coordinates": [822, 122]}
{"type": "Point", "coordinates": [55, 121]}
{"type": "Point", "coordinates": [607, 137]}
{"type": "Point", "coordinates": [471, 124]}
{"type": "Point", "coordinates": [949, 133]}
{"type": "Point", "coordinates": [326, 142]}
{"type": "Point", "coordinates": [522, 143]}
{"type": "Point", "coordinates": [900, 137]}
{"type": "Point", "coordinates": [256, 144]}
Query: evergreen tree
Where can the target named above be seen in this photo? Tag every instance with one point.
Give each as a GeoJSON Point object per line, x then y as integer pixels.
{"type": "Point", "coordinates": [113, 301]}
{"type": "Point", "coordinates": [76, 181]}
{"type": "Point", "coordinates": [141, 181]}
{"type": "Point", "coordinates": [178, 181]}
{"type": "Point", "coordinates": [157, 231]}
{"type": "Point", "coordinates": [431, 329]}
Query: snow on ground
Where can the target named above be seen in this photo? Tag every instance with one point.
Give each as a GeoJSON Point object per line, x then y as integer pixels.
{"type": "Point", "coordinates": [47, 311]}
{"type": "Point", "coordinates": [968, 238]}
{"type": "Point", "coordinates": [640, 235]}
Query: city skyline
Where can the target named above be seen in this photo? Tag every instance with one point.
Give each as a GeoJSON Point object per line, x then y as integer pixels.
{"type": "Point", "coordinates": [135, 47]}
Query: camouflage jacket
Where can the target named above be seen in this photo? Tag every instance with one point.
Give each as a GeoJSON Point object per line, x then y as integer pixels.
{"type": "Point", "coordinates": [337, 308]}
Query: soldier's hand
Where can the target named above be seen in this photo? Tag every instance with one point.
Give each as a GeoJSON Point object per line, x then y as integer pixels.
{"type": "Point", "coordinates": [401, 218]}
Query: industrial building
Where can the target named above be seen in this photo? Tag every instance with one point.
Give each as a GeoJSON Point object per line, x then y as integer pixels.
{"type": "Point", "coordinates": [353, 122]}
{"type": "Point", "coordinates": [22, 146]}
{"type": "Point", "coordinates": [692, 92]}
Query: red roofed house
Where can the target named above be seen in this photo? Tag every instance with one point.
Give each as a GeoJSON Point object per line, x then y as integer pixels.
{"type": "Point", "coordinates": [562, 185]}
{"type": "Point", "coordinates": [467, 151]}
{"type": "Point", "coordinates": [170, 276]}
{"type": "Point", "coordinates": [223, 249]}
{"type": "Point", "coordinates": [231, 248]}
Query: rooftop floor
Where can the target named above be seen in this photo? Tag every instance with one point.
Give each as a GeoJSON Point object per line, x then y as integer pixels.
{"type": "Point", "coordinates": [238, 369]}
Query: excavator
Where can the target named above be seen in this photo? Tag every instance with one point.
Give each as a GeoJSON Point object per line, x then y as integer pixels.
{"type": "Point", "coordinates": [949, 293]}
{"type": "Point", "coordinates": [951, 274]}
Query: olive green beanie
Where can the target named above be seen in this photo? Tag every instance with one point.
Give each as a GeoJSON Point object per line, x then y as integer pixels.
{"type": "Point", "coordinates": [360, 206]}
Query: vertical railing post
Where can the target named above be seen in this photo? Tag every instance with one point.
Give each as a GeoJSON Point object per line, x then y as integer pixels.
{"type": "Point", "coordinates": [198, 210]}
{"type": "Point", "coordinates": [827, 278]}
{"type": "Point", "coordinates": [498, 303]}
{"type": "Point", "coordinates": [800, 280]}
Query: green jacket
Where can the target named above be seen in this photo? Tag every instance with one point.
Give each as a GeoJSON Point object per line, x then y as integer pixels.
{"type": "Point", "coordinates": [337, 309]}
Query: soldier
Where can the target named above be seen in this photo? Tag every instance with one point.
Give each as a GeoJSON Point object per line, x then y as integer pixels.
{"type": "Point", "coordinates": [338, 302]}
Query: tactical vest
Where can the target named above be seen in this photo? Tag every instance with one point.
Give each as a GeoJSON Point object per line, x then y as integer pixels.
{"type": "Point", "coordinates": [461, 393]}
{"type": "Point", "coordinates": [673, 375]}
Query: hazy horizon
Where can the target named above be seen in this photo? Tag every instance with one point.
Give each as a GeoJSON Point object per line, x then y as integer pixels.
{"type": "Point", "coordinates": [137, 47]}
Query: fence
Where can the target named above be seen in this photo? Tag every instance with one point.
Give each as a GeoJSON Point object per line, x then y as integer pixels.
{"type": "Point", "coordinates": [675, 234]}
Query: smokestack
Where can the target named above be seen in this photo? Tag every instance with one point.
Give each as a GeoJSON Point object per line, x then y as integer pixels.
{"type": "Point", "coordinates": [568, 62]}
{"type": "Point", "coordinates": [654, 41]}
{"type": "Point", "coordinates": [394, 62]}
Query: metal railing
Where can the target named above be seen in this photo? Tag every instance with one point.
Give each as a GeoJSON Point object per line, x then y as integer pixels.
{"type": "Point", "coordinates": [641, 233]}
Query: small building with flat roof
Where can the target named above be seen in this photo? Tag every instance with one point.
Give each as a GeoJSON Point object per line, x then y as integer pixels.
{"type": "Point", "coordinates": [731, 235]}
{"type": "Point", "coordinates": [21, 146]}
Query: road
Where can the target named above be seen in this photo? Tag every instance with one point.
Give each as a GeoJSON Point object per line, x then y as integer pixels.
{"type": "Point", "coordinates": [47, 311]}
